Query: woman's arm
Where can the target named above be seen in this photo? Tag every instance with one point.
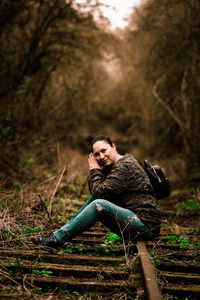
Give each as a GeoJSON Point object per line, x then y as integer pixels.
{"type": "Point", "coordinates": [114, 184]}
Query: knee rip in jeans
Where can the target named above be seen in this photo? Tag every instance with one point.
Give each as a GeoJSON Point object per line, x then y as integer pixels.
{"type": "Point", "coordinates": [133, 218]}
{"type": "Point", "coordinates": [99, 207]}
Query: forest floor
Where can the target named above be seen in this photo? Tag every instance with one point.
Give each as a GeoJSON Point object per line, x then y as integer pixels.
{"type": "Point", "coordinates": [49, 199]}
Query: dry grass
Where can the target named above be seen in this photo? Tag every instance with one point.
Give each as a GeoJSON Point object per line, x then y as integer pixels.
{"type": "Point", "coordinates": [43, 198]}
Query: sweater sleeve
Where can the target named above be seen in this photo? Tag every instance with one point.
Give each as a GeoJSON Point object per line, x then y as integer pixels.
{"type": "Point", "coordinates": [113, 185]}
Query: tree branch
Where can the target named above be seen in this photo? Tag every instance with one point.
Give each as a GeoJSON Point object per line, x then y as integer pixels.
{"type": "Point", "coordinates": [168, 108]}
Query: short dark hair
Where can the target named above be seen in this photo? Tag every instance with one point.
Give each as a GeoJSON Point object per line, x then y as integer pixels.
{"type": "Point", "coordinates": [98, 138]}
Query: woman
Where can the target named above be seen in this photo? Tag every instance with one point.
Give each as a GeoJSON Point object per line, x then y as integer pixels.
{"type": "Point", "coordinates": [121, 198]}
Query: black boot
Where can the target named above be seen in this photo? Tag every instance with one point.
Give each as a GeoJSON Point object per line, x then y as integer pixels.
{"type": "Point", "coordinates": [47, 240]}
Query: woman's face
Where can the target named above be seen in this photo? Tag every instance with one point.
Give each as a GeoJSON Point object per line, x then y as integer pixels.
{"type": "Point", "coordinates": [104, 153]}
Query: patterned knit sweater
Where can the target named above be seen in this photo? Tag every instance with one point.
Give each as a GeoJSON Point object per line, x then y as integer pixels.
{"type": "Point", "coordinates": [127, 185]}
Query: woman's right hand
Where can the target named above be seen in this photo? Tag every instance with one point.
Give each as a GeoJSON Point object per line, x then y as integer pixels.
{"type": "Point", "coordinates": [93, 163]}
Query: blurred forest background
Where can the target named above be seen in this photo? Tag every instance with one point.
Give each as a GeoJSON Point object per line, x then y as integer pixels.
{"type": "Point", "coordinates": [65, 78]}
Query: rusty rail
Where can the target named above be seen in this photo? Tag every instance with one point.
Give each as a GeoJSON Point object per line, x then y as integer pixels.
{"type": "Point", "coordinates": [153, 290]}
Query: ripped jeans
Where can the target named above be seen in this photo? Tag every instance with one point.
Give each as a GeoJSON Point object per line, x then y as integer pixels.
{"type": "Point", "coordinates": [119, 220]}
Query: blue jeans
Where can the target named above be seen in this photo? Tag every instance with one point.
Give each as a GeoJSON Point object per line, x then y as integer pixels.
{"type": "Point", "coordinates": [119, 220]}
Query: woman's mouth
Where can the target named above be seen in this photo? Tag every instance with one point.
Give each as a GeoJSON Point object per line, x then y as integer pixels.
{"type": "Point", "coordinates": [104, 161]}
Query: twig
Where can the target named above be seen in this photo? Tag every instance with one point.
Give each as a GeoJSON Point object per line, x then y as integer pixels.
{"type": "Point", "coordinates": [22, 198]}
{"type": "Point", "coordinates": [24, 285]}
{"type": "Point", "coordinates": [60, 178]}
{"type": "Point", "coordinates": [5, 275]}
{"type": "Point", "coordinates": [47, 180]}
{"type": "Point", "coordinates": [124, 244]}
{"type": "Point", "coordinates": [58, 153]}
{"type": "Point", "coordinates": [168, 108]}
{"type": "Point", "coordinates": [56, 188]}
{"type": "Point", "coordinates": [82, 188]}
{"type": "Point", "coordinates": [45, 208]}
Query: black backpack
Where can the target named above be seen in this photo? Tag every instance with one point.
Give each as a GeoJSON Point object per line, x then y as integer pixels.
{"type": "Point", "coordinates": [160, 183]}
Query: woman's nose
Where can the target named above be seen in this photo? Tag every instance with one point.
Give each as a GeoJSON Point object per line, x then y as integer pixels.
{"type": "Point", "coordinates": [101, 155]}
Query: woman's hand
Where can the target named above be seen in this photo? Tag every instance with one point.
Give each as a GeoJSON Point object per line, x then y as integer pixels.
{"type": "Point", "coordinates": [93, 163]}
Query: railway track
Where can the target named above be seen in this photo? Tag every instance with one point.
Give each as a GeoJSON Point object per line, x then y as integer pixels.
{"type": "Point", "coordinates": [177, 265]}
{"type": "Point", "coordinates": [91, 269]}
{"type": "Point", "coordinates": [86, 267]}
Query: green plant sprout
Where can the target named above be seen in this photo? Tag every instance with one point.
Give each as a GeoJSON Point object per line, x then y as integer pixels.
{"type": "Point", "coordinates": [42, 272]}
{"type": "Point", "coordinates": [48, 204]}
{"type": "Point", "coordinates": [192, 205]}
{"type": "Point", "coordinates": [74, 248]}
{"type": "Point", "coordinates": [17, 185]}
{"type": "Point", "coordinates": [113, 239]}
{"type": "Point", "coordinates": [29, 160]}
{"type": "Point", "coordinates": [102, 251]}
{"type": "Point", "coordinates": [67, 250]}
{"type": "Point", "coordinates": [6, 236]}
{"type": "Point", "coordinates": [38, 290]}
{"type": "Point", "coordinates": [3, 204]}
{"type": "Point", "coordinates": [100, 277]}
{"type": "Point", "coordinates": [182, 241]}
{"type": "Point", "coordinates": [155, 259]}
{"type": "Point", "coordinates": [16, 262]}
{"type": "Point", "coordinates": [28, 231]}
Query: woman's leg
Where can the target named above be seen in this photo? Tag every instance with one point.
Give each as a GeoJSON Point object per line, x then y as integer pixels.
{"type": "Point", "coordinates": [117, 219]}
{"type": "Point", "coordinates": [90, 199]}
{"type": "Point", "coordinates": [51, 240]}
